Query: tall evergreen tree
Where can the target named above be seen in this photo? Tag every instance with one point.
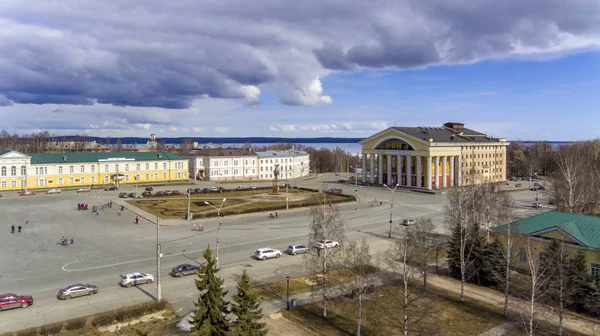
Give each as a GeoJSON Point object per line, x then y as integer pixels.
{"type": "Point", "coordinates": [211, 318]}
{"type": "Point", "coordinates": [247, 309]}
{"type": "Point", "coordinates": [493, 270]}
{"type": "Point", "coordinates": [579, 282]}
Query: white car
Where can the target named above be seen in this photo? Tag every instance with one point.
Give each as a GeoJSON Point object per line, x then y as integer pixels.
{"type": "Point", "coordinates": [408, 222]}
{"type": "Point", "coordinates": [214, 189]}
{"type": "Point", "coordinates": [53, 191]}
{"type": "Point", "coordinates": [326, 244]}
{"type": "Point", "coordinates": [266, 253]}
{"type": "Point", "coordinates": [136, 278]}
{"type": "Point", "coordinates": [537, 205]}
{"type": "Point", "coordinates": [84, 189]}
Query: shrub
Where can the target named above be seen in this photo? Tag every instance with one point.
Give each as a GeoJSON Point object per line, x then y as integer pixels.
{"type": "Point", "coordinates": [104, 319]}
{"type": "Point", "coordinates": [28, 332]}
{"type": "Point", "coordinates": [75, 324]}
{"type": "Point", "coordinates": [51, 329]}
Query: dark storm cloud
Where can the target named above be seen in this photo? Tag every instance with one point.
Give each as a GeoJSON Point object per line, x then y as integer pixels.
{"type": "Point", "coordinates": [168, 53]}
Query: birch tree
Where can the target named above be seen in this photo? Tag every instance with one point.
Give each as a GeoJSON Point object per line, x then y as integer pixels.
{"type": "Point", "coordinates": [556, 263]}
{"type": "Point", "coordinates": [537, 284]}
{"type": "Point", "coordinates": [357, 257]}
{"type": "Point", "coordinates": [570, 168]}
{"type": "Point", "coordinates": [325, 224]}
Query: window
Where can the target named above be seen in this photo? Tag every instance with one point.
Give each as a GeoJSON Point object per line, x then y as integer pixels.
{"type": "Point", "coordinates": [93, 179]}
{"type": "Point", "coordinates": [23, 170]}
{"type": "Point", "coordinates": [13, 184]}
{"type": "Point", "coordinates": [71, 169]}
{"type": "Point", "coordinates": [226, 172]}
{"type": "Point", "coordinates": [235, 162]}
{"type": "Point", "coordinates": [106, 168]}
{"type": "Point", "coordinates": [594, 270]}
{"type": "Point", "coordinates": [23, 183]}
{"type": "Point", "coordinates": [3, 172]}
{"type": "Point", "coordinates": [522, 256]}
{"type": "Point", "coordinates": [226, 163]}
{"type": "Point", "coordinates": [82, 169]}
{"type": "Point", "coordinates": [37, 171]}
{"type": "Point", "coordinates": [216, 163]}
{"type": "Point", "coordinates": [93, 168]}
{"type": "Point", "coordinates": [138, 167]}
{"type": "Point", "coordinates": [13, 171]}
{"type": "Point", "coordinates": [276, 160]}
{"type": "Point", "coordinates": [255, 163]}
{"type": "Point", "coordinates": [126, 177]}
{"type": "Point", "coordinates": [156, 175]}
{"type": "Point", "coordinates": [147, 176]}
{"type": "Point", "coordinates": [71, 180]}
{"type": "Point", "coordinates": [164, 175]}
{"type": "Point", "coordinates": [261, 168]}
{"type": "Point", "coordinates": [156, 166]}
{"type": "Point", "coordinates": [271, 160]}
{"type": "Point", "coordinates": [246, 163]}
{"type": "Point", "coordinates": [147, 166]}
{"type": "Point", "coordinates": [261, 161]}
{"type": "Point", "coordinates": [164, 165]}
{"type": "Point", "coordinates": [105, 179]}
{"type": "Point", "coordinates": [60, 180]}
{"type": "Point", "coordinates": [3, 184]}
{"type": "Point", "coordinates": [117, 167]}
{"type": "Point", "coordinates": [253, 171]}
{"type": "Point", "coordinates": [235, 172]}
{"type": "Point", "coordinates": [127, 167]}
{"type": "Point", "coordinates": [82, 180]}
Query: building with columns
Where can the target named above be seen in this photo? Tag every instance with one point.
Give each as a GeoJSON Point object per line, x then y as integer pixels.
{"type": "Point", "coordinates": [433, 157]}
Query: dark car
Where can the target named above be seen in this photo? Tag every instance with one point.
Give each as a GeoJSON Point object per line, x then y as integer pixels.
{"type": "Point", "coordinates": [11, 300]}
{"type": "Point", "coordinates": [146, 194]}
{"type": "Point", "coordinates": [123, 195]}
{"type": "Point", "coordinates": [189, 191]}
{"type": "Point", "coordinates": [206, 190]}
{"type": "Point", "coordinates": [341, 181]}
{"type": "Point", "coordinates": [149, 189]}
{"type": "Point", "coordinates": [132, 195]}
{"type": "Point", "coordinates": [184, 269]}
{"type": "Point", "coordinates": [110, 188]}
{"type": "Point", "coordinates": [197, 190]}
{"type": "Point", "coordinates": [161, 193]}
{"type": "Point", "coordinates": [76, 290]}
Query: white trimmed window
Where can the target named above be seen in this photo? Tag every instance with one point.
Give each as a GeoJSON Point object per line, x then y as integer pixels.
{"type": "Point", "coordinates": [3, 184]}
{"type": "Point", "coordinates": [71, 180]}
{"type": "Point", "coordinates": [60, 180]}
{"type": "Point", "coordinates": [82, 180]}
{"type": "Point", "coordinates": [93, 168]}
{"type": "Point", "coordinates": [105, 179]}
{"type": "Point", "coordinates": [71, 169]}
{"type": "Point", "coordinates": [147, 166]}
{"type": "Point", "coordinates": [106, 168]}
{"type": "Point", "coordinates": [127, 167]}
{"type": "Point", "coordinates": [164, 165]}
{"type": "Point", "coordinates": [13, 184]}
{"type": "Point", "coordinates": [82, 169]}
{"type": "Point", "coordinates": [93, 179]}
{"type": "Point", "coordinates": [594, 270]}
{"type": "Point", "coordinates": [147, 176]}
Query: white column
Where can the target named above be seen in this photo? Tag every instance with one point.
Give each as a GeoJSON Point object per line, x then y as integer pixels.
{"type": "Point", "coordinates": [408, 171]}
{"type": "Point", "coordinates": [428, 173]}
{"type": "Point", "coordinates": [444, 172]}
{"type": "Point", "coordinates": [459, 177]}
{"type": "Point", "coordinates": [372, 172]}
{"type": "Point", "coordinates": [389, 172]}
{"type": "Point", "coordinates": [380, 168]}
{"type": "Point", "coordinates": [437, 172]}
{"type": "Point", "coordinates": [452, 171]}
{"type": "Point", "coordinates": [364, 168]}
{"type": "Point", "coordinates": [400, 169]}
{"type": "Point", "coordinates": [419, 171]}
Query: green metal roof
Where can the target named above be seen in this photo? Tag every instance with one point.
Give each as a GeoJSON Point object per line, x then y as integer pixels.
{"type": "Point", "coordinates": [5, 151]}
{"type": "Point", "coordinates": [584, 228]}
{"type": "Point", "coordinates": [94, 157]}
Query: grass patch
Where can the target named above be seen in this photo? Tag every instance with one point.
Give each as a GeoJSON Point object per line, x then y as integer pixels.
{"type": "Point", "coordinates": [238, 202]}
{"type": "Point", "coordinates": [446, 316]}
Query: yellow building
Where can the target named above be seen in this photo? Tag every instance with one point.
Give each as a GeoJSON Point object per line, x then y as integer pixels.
{"type": "Point", "coordinates": [578, 232]}
{"type": "Point", "coordinates": [20, 171]}
{"type": "Point", "coordinates": [433, 157]}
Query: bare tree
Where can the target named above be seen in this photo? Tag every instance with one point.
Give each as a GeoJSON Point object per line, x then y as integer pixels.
{"type": "Point", "coordinates": [357, 258]}
{"type": "Point", "coordinates": [507, 216]}
{"type": "Point", "coordinates": [556, 262]}
{"type": "Point", "coordinates": [423, 239]}
{"type": "Point", "coordinates": [537, 284]}
{"type": "Point", "coordinates": [186, 146]}
{"type": "Point", "coordinates": [118, 147]}
{"type": "Point", "coordinates": [569, 178]}
{"type": "Point", "coordinates": [325, 224]}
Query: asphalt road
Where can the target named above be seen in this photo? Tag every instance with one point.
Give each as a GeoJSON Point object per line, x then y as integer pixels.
{"type": "Point", "coordinates": [107, 245]}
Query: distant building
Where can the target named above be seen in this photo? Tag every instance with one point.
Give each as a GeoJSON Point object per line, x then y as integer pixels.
{"type": "Point", "coordinates": [433, 157]}
{"type": "Point", "coordinates": [76, 146]}
{"type": "Point", "coordinates": [223, 164]}
{"type": "Point", "coordinates": [20, 171]}
{"type": "Point", "coordinates": [292, 164]}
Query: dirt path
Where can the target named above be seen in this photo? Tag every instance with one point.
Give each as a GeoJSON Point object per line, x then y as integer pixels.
{"type": "Point", "coordinates": [280, 326]}
{"type": "Point", "coordinates": [517, 308]}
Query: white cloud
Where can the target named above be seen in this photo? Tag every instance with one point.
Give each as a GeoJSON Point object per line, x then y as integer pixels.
{"type": "Point", "coordinates": [198, 129]}
{"type": "Point", "coordinates": [222, 129]}
{"type": "Point", "coordinates": [173, 129]}
{"type": "Point", "coordinates": [337, 127]}
{"type": "Point", "coordinates": [143, 126]}
{"type": "Point", "coordinates": [309, 95]}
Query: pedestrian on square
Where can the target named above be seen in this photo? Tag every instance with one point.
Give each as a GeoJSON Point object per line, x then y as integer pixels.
{"type": "Point", "coordinates": [72, 241]}
{"type": "Point", "coordinates": [12, 229]}
{"type": "Point", "coordinates": [118, 212]}
{"type": "Point", "coordinates": [26, 221]}
{"type": "Point", "coordinates": [137, 220]}
{"type": "Point", "coordinates": [276, 214]}
{"type": "Point", "coordinates": [19, 228]}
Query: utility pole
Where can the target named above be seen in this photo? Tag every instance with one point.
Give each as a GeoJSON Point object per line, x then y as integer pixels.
{"type": "Point", "coordinates": [158, 256]}
{"type": "Point", "coordinates": [287, 197]}
{"type": "Point", "coordinates": [189, 195]}
{"type": "Point", "coordinates": [117, 164]}
{"type": "Point", "coordinates": [355, 183]}
{"type": "Point", "coordinates": [391, 207]}
{"type": "Point", "coordinates": [218, 225]}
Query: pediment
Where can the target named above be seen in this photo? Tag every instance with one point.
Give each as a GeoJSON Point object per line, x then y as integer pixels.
{"type": "Point", "coordinates": [390, 135]}
{"type": "Point", "coordinates": [558, 234]}
{"type": "Point", "coordinates": [13, 155]}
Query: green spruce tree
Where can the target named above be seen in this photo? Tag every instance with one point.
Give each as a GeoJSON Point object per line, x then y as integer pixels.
{"type": "Point", "coordinates": [493, 272]}
{"type": "Point", "coordinates": [247, 309]}
{"type": "Point", "coordinates": [211, 318]}
{"type": "Point", "coordinates": [580, 285]}
{"type": "Point", "coordinates": [454, 250]}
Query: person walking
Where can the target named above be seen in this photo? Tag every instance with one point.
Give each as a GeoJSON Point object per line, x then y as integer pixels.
{"type": "Point", "coordinates": [137, 220]}
{"type": "Point", "coordinates": [26, 221]}
{"type": "Point", "coordinates": [276, 214]}
{"type": "Point", "coordinates": [19, 228]}
{"type": "Point", "coordinates": [72, 241]}
{"type": "Point", "coordinates": [118, 212]}
{"type": "Point", "coordinates": [12, 229]}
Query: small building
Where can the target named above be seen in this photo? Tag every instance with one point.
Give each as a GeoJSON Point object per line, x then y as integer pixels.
{"type": "Point", "coordinates": [223, 164]}
{"type": "Point", "coordinates": [578, 232]}
{"type": "Point", "coordinates": [292, 164]}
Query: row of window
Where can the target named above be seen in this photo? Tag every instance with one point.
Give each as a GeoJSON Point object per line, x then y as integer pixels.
{"type": "Point", "coordinates": [60, 181]}
{"type": "Point", "coordinates": [482, 156]}
{"type": "Point", "coordinates": [271, 175]}
{"type": "Point", "coordinates": [594, 268]}
{"type": "Point", "coordinates": [44, 170]}
{"type": "Point", "coordinates": [226, 172]}
{"type": "Point", "coordinates": [13, 171]}
{"type": "Point", "coordinates": [235, 163]}
{"type": "Point", "coordinates": [276, 161]}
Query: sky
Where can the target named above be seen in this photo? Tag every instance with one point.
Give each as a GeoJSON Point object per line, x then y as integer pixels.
{"type": "Point", "coordinates": [521, 70]}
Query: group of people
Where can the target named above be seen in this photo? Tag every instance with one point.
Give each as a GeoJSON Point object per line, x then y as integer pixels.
{"type": "Point", "coordinates": [198, 227]}
{"type": "Point", "coordinates": [65, 241]}
{"type": "Point", "coordinates": [19, 228]}
{"type": "Point", "coordinates": [276, 215]}
{"type": "Point", "coordinates": [82, 206]}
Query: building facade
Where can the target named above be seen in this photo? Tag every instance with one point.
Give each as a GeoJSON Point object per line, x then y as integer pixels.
{"type": "Point", "coordinates": [576, 232]}
{"type": "Point", "coordinates": [223, 164]}
{"type": "Point", "coordinates": [433, 157]}
{"type": "Point", "coordinates": [20, 171]}
{"type": "Point", "coordinates": [292, 164]}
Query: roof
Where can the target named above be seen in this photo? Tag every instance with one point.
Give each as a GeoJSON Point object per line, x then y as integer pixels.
{"type": "Point", "coordinates": [447, 134]}
{"type": "Point", "coordinates": [287, 153]}
{"type": "Point", "coordinates": [5, 151]}
{"type": "Point", "coordinates": [94, 157]}
{"type": "Point", "coordinates": [221, 152]}
{"type": "Point", "coordinates": [583, 228]}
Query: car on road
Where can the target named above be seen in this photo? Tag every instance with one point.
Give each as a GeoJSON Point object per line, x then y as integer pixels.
{"type": "Point", "coordinates": [341, 181]}
{"type": "Point", "coordinates": [335, 191]}
{"type": "Point", "coordinates": [160, 193]}
{"type": "Point", "coordinates": [266, 253]}
{"type": "Point", "coordinates": [533, 188]}
{"type": "Point", "coordinates": [146, 194]}
{"type": "Point", "coordinates": [517, 185]}
{"type": "Point", "coordinates": [321, 244]}
{"type": "Point", "coordinates": [27, 193]}
{"type": "Point", "coordinates": [136, 278]}
{"type": "Point", "coordinates": [111, 188]}
{"type": "Point", "coordinates": [11, 300]}
{"type": "Point", "coordinates": [76, 290]}
{"type": "Point", "coordinates": [296, 249]}
{"type": "Point", "coordinates": [408, 222]}
{"type": "Point", "coordinates": [132, 195]}
{"type": "Point", "coordinates": [168, 192]}
{"type": "Point", "coordinates": [253, 187]}
{"type": "Point", "coordinates": [214, 189]}
{"type": "Point", "coordinates": [206, 190]}
{"type": "Point", "coordinates": [537, 205]}
{"type": "Point", "coordinates": [197, 190]}
{"type": "Point", "coordinates": [84, 189]}
{"type": "Point", "coordinates": [53, 191]}
{"type": "Point", "coordinates": [149, 189]}
{"type": "Point", "coordinates": [123, 195]}
{"type": "Point", "coordinates": [184, 269]}
{"type": "Point", "coordinates": [175, 192]}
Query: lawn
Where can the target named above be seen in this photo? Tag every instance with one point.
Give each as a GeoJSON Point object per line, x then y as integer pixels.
{"type": "Point", "coordinates": [238, 202]}
{"type": "Point", "coordinates": [382, 313]}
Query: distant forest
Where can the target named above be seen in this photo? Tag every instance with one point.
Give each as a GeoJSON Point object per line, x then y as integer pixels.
{"type": "Point", "coordinates": [221, 140]}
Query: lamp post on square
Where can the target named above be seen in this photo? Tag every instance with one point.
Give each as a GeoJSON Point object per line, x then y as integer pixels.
{"type": "Point", "coordinates": [391, 207]}
{"type": "Point", "coordinates": [219, 224]}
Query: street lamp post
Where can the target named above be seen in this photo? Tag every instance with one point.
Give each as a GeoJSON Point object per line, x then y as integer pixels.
{"type": "Point", "coordinates": [287, 278]}
{"type": "Point", "coordinates": [391, 207]}
{"type": "Point", "coordinates": [287, 198]}
{"type": "Point", "coordinates": [355, 183]}
{"type": "Point", "coordinates": [189, 195]}
{"type": "Point", "coordinates": [219, 224]}
{"type": "Point", "coordinates": [158, 256]}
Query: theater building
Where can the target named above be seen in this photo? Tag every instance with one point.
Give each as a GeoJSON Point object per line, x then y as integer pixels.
{"type": "Point", "coordinates": [433, 157]}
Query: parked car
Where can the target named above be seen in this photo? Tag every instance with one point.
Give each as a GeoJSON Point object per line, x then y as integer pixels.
{"type": "Point", "coordinates": [146, 194]}
{"type": "Point", "coordinates": [84, 189]}
{"type": "Point", "coordinates": [326, 244]}
{"type": "Point", "coordinates": [161, 193]}
{"type": "Point", "coordinates": [537, 205]}
{"type": "Point", "coordinates": [197, 190]}
{"type": "Point", "coordinates": [206, 190]}
{"type": "Point", "coordinates": [266, 253]}
{"type": "Point", "coordinates": [409, 221]}
{"type": "Point", "coordinates": [27, 193]}
{"type": "Point", "coordinates": [214, 189]}
{"type": "Point", "coordinates": [123, 195]}
{"type": "Point", "coordinates": [132, 195]}
{"type": "Point", "coordinates": [76, 290]}
{"type": "Point", "coordinates": [175, 192]}
{"type": "Point", "coordinates": [541, 187]}
{"type": "Point", "coordinates": [517, 185]}
{"type": "Point", "coordinates": [11, 300]}
{"type": "Point", "coordinates": [341, 181]}
{"type": "Point", "coordinates": [53, 191]}
{"type": "Point", "coordinates": [149, 189]}
{"type": "Point", "coordinates": [335, 191]}
{"type": "Point", "coordinates": [111, 188]}
{"type": "Point", "coordinates": [168, 192]}
{"type": "Point", "coordinates": [136, 278]}
{"type": "Point", "coordinates": [297, 248]}
{"type": "Point", "coordinates": [535, 184]}
{"type": "Point", "coordinates": [190, 191]}
{"type": "Point", "coordinates": [533, 188]}
{"type": "Point", "coordinates": [252, 187]}
{"type": "Point", "coordinates": [184, 269]}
